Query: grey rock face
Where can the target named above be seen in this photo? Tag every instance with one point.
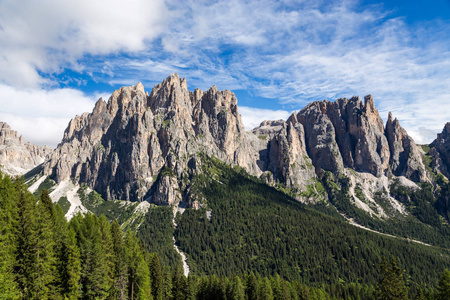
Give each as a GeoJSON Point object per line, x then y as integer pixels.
{"type": "Point", "coordinates": [17, 157]}
{"type": "Point", "coordinates": [348, 133]}
{"type": "Point", "coordinates": [122, 146]}
{"type": "Point", "coordinates": [406, 159]}
{"type": "Point", "coordinates": [440, 151]}
{"type": "Point", "coordinates": [285, 156]}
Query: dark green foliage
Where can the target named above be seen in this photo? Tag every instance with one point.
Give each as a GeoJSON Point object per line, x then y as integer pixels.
{"type": "Point", "coordinates": [35, 260]}
{"type": "Point", "coordinates": [90, 200]}
{"type": "Point", "coordinates": [47, 184]}
{"type": "Point", "coordinates": [64, 203]}
{"type": "Point", "coordinates": [156, 231]}
{"type": "Point", "coordinates": [253, 227]}
{"type": "Point", "coordinates": [157, 278]}
{"type": "Point", "coordinates": [444, 286]}
{"type": "Point", "coordinates": [8, 238]}
{"type": "Point", "coordinates": [391, 285]}
{"type": "Point", "coordinates": [119, 290]}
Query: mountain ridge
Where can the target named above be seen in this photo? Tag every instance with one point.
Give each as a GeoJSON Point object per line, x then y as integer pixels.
{"type": "Point", "coordinates": [121, 147]}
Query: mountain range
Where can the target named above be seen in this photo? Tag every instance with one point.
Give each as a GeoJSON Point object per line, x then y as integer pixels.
{"type": "Point", "coordinates": [170, 147]}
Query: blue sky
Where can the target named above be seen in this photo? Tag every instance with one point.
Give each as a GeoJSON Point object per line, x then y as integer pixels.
{"type": "Point", "coordinates": [59, 57]}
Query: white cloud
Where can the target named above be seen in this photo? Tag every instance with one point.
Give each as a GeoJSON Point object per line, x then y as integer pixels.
{"type": "Point", "coordinates": [252, 117]}
{"type": "Point", "coordinates": [42, 116]}
{"type": "Point", "coordinates": [49, 35]}
{"type": "Point", "coordinates": [291, 51]}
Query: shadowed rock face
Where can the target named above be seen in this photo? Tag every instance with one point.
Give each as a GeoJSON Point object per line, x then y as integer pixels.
{"type": "Point", "coordinates": [440, 151]}
{"type": "Point", "coordinates": [347, 133]}
{"type": "Point", "coordinates": [122, 148]}
{"type": "Point", "coordinates": [406, 159]}
{"type": "Point", "coordinates": [17, 157]}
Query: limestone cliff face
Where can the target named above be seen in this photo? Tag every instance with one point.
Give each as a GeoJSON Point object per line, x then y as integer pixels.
{"type": "Point", "coordinates": [140, 146]}
{"type": "Point", "coordinates": [348, 133]}
{"type": "Point", "coordinates": [17, 157]}
{"type": "Point", "coordinates": [120, 148]}
{"type": "Point", "coordinates": [405, 159]}
{"type": "Point", "coordinates": [440, 151]}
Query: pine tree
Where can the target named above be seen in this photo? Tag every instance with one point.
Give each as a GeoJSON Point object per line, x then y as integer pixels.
{"type": "Point", "coordinates": [167, 284]}
{"type": "Point", "coordinates": [58, 227]}
{"type": "Point", "coordinates": [156, 277]}
{"type": "Point", "coordinates": [119, 260]}
{"type": "Point", "coordinates": [251, 287]}
{"type": "Point", "coordinates": [179, 284]}
{"type": "Point", "coordinates": [35, 257]}
{"type": "Point", "coordinates": [444, 286]}
{"type": "Point", "coordinates": [190, 288]}
{"type": "Point", "coordinates": [8, 241]}
{"type": "Point", "coordinates": [138, 271]}
{"type": "Point", "coordinates": [107, 250]}
{"type": "Point", "coordinates": [94, 276]}
{"type": "Point", "coordinates": [265, 289]}
{"type": "Point", "coordinates": [72, 270]}
{"type": "Point", "coordinates": [277, 288]}
{"type": "Point", "coordinates": [236, 289]}
{"type": "Point", "coordinates": [391, 285]}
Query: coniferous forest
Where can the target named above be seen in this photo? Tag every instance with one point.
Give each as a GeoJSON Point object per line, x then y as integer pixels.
{"type": "Point", "coordinates": [44, 256]}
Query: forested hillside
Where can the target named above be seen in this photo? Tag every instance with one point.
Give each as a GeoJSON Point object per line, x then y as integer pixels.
{"type": "Point", "coordinates": [247, 225]}
{"type": "Point", "coordinates": [42, 256]}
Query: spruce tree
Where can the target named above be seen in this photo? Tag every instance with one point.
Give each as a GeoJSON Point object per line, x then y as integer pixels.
{"type": "Point", "coordinates": [8, 240]}
{"type": "Point", "coordinates": [251, 287]}
{"type": "Point", "coordinates": [444, 286]}
{"type": "Point", "coordinates": [236, 290]}
{"type": "Point", "coordinates": [107, 250]}
{"type": "Point", "coordinates": [156, 277]}
{"type": "Point", "coordinates": [35, 256]}
{"type": "Point", "coordinates": [94, 278]}
{"type": "Point", "coordinates": [265, 289]}
{"type": "Point", "coordinates": [139, 286]}
{"type": "Point", "coordinates": [179, 284]}
{"type": "Point", "coordinates": [119, 260]}
{"type": "Point", "coordinates": [72, 270]}
{"type": "Point", "coordinates": [391, 285]}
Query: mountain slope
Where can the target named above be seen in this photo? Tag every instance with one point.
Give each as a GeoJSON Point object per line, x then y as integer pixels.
{"type": "Point", "coordinates": [250, 226]}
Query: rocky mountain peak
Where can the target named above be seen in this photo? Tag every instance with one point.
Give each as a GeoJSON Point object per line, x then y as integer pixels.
{"type": "Point", "coordinates": [440, 151]}
{"type": "Point", "coordinates": [17, 157]}
{"type": "Point", "coordinates": [145, 146]}
{"type": "Point", "coordinates": [120, 147]}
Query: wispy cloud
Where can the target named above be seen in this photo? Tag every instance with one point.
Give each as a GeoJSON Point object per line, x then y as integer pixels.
{"type": "Point", "coordinates": [293, 52]}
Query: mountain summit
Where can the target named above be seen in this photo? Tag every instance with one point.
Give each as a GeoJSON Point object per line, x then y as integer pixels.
{"type": "Point", "coordinates": [126, 146]}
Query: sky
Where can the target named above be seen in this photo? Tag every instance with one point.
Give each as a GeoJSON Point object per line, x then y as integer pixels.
{"type": "Point", "coordinates": [58, 57]}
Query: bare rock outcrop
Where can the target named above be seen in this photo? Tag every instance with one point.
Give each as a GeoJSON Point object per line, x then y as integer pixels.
{"type": "Point", "coordinates": [120, 148]}
{"type": "Point", "coordinates": [123, 146]}
{"type": "Point", "coordinates": [406, 159]}
{"type": "Point", "coordinates": [17, 157]}
{"type": "Point", "coordinates": [440, 151]}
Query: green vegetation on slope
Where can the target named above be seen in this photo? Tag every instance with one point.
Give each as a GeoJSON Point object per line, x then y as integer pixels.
{"type": "Point", "coordinates": [254, 227]}
{"type": "Point", "coordinates": [420, 203]}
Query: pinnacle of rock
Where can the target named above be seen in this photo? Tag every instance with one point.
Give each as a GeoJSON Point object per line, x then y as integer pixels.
{"type": "Point", "coordinates": [17, 157]}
